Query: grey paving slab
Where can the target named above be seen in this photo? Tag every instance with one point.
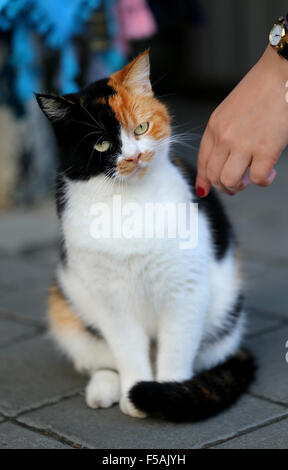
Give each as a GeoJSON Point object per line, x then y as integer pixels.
{"type": "Point", "coordinates": [112, 429]}
{"type": "Point", "coordinates": [44, 257]}
{"type": "Point", "coordinates": [29, 302]}
{"type": "Point", "coordinates": [28, 228]}
{"type": "Point", "coordinates": [270, 350]}
{"type": "Point", "coordinates": [261, 219]}
{"type": "Point", "coordinates": [258, 323]}
{"type": "Point", "coordinates": [17, 271]}
{"type": "Point", "coordinates": [266, 287]}
{"type": "Point", "coordinates": [11, 331]}
{"type": "Point", "coordinates": [33, 373]}
{"type": "Point", "coordinates": [13, 436]}
{"type": "Point", "coordinates": [273, 436]}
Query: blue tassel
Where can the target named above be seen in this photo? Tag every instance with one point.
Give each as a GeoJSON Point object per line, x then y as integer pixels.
{"type": "Point", "coordinates": [57, 21]}
{"type": "Point", "coordinates": [25, 64]}
{"type": "Point", "coordinates": [69, 70]}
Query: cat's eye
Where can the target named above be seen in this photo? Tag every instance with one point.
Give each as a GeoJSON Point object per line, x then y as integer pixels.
{"type": "Point", "coordinates": [102, 146]}
{"type": "Point", "coordinates": [142, 128]}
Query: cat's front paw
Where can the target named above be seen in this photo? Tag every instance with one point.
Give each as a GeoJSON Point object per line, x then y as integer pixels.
{"type": "Point", "coordinates": [129, 409]}
{"type": "Point", "coordinates": [103, 389]}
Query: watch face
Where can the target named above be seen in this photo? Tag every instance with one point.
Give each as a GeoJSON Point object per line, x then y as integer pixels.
{"type": "Point", "coordinates": [276, 35]}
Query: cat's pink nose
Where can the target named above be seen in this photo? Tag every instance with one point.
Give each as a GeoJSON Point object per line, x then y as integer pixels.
{"type": "Point", "coordinates": [134, 158]}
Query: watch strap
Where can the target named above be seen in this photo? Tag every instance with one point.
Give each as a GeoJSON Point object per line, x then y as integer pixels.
{"type": "Point", "coordinates": [283, 52]}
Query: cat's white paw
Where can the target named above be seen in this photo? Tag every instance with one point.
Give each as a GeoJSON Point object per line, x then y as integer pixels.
{"type": "Point", "coordinates": [103, 390]}
{"type": "Point", "coordinates": [129, 409]}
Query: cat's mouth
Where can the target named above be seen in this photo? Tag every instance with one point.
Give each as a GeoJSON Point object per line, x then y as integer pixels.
{"type": "Point", "coordinates": [129, 166]}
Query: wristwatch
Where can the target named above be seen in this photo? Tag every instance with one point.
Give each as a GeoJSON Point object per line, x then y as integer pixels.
{"type": "Point", "coordinates": [278, 37]}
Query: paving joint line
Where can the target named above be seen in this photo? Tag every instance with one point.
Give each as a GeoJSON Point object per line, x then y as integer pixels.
{"type": "Point", "coordinates": [18, 318]}
{"type": "Point", "coordinates": [269, 400]}
{"type": "Point", "coordinates": [44, 404]}
{"type": "Point", "coordinates": [270, 329]}
{"type": "Point", "coordinates": [29, 249]}
{"type": "Point", "coordinates": [246, 431]}
{"type": "Point", "coordinates": [266, 314]}
{"type": "Point", "coordinates": [251, 255]}
{"type": "Point", "coordinates": [21, 338]}
{"type": "Point", "coordinates": [51, 402]}
{"type": "Point", "coordinates": [47, 433]}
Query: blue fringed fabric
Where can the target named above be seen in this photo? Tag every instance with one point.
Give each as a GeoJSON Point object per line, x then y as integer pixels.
{"type": "Point", "coordinates": [24, 62]}
{"type": "Point", "coordinates": [114, 57]}
{"type": "Point", "coordinates": [57, 22]}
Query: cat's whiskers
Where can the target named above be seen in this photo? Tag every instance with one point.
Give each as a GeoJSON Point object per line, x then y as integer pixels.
{"type": "Point", "coordinates": [187, 123]}
{"type": "Point", "coordinates": [178, 139]}
{"type": "Point", "coordinates": [92, 117]}
{"type": "Point", "coordinates": [78, 145]}
{"type": "Point", "coordinates": [105, 184]}
{"type": "Point", "coordinates": [159, 79]}
{"type": "Point", "coordinates": [86, 124]}
{"type": "Point", "coordinates": [90, 158]}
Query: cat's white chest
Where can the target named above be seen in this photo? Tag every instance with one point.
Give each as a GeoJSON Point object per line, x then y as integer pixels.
{"type": "Point", "coordinates": [128, 220]}
{"type": "Point", "coordinates": [140, 272]}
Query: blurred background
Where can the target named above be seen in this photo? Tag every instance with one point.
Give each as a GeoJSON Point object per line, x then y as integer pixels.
{"type": "Point", "coordinates": [199, 50]}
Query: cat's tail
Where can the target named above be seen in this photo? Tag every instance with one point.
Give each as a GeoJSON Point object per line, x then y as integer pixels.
{"type": "Point", "coordinates": [205, 395]}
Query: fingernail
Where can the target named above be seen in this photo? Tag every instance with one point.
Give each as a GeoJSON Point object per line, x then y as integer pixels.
{"type": "Point", "coordinates": [272, 175]}
{"type": "Point", "coordinates": [245, 180]}
{"type": "Point", "coordinates": [200, 191]}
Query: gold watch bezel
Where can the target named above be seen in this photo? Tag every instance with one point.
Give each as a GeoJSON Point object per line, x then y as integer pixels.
{"type": "Point", "coordinates": [280, 22]}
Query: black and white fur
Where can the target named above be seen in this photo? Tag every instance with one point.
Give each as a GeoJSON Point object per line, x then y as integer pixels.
{"type": "Point", "coordinates": [134, 296]}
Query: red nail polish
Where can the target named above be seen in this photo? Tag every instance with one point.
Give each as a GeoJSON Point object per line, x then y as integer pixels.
{"type": "Point", "coordinates": [200, 191]}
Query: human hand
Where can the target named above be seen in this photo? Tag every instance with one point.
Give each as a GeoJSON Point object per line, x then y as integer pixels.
{"type": "Point", "coordinates": [248, 129]}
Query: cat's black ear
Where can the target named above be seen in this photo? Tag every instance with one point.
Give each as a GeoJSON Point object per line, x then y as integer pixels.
{"type": "Point", "coordinates": [56, 108]}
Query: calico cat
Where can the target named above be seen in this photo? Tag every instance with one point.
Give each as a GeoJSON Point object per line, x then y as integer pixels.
{"type": "Point", "coordinates": [116, 300]}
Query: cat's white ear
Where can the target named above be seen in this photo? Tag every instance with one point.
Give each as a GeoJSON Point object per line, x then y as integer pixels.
{"type": "Point", "coordinates": [55, 108]}
{"type": "Point", "coordinates": [136, 75]}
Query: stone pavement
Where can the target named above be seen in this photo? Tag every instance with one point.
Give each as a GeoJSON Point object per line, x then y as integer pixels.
{"type": "Point", "coordinates": [41, 397]}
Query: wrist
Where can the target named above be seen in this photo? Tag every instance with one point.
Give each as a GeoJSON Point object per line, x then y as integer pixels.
{"type": "Point", "coordinates": [275, 64]}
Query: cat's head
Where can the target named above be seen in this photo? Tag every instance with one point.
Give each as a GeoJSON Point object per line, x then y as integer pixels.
{"type": "Point", "coordinates": [114, 126]}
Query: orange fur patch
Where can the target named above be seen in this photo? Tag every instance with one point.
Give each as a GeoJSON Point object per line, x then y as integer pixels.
{"type": "Point", "coordinates": [131, 109]}
{"type": "Point", "coordinates": [146, 156]}
{"type": "Point", "coordinates": [61, 315]}
{"type": "Point", "coordinates": [142, 172]}
{"type": "Point", "coordinates": [125, 167]}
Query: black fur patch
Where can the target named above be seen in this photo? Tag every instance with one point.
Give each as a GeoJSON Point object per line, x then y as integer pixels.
{"type": "Point", "coordinates": [63, 253]}
{"type": "Point", "coordinates": [93, 331]}
{"type": "Point", "coordinates": [231, 323]}
{"type": "Point", "coordinates": [60, 194]}
{"type": "Point", "coordinates": [60, 206]}
{"type": "Point", "coordinates": [206, 395]}
{"type": "Point", "coordinates": [80, 121]}
{"type": "Point", "coordinates": [99, 89]}
{"type": "Point", "coordinates": [221, 228]}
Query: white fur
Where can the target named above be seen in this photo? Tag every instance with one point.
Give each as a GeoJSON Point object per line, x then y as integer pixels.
{"type": "Point", "coordinates": [134, 291]}
{"type": "Point", "coordinates": [103, 389]}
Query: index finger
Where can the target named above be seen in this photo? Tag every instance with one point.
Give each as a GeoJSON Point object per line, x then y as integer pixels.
{"type": "Point", "coordinates": [206, 146]}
